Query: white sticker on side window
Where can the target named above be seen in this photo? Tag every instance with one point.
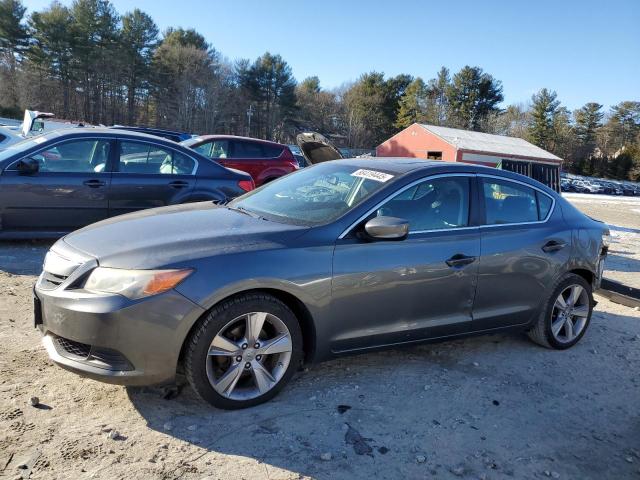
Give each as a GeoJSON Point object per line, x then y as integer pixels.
{"type": "Point", "coordinates": [372, 175]}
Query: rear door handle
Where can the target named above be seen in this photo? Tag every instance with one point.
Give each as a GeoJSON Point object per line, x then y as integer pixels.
{"type": "Point", "coordinates": [179, 184]}
{"type": "Point", "coordinates": [553, 246]}
{"type": "Point", "coordinates": [460, 260]}
{"type": "Point", "coordinates": [93, 183]}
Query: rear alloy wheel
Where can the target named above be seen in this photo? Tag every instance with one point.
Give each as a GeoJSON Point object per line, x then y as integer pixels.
{"type": "Point", "coordinates": [244, 352]}
{"type": "Point", "coordinates": [569, 314]}
{"type": "Point", "coordinates": [566, 316]}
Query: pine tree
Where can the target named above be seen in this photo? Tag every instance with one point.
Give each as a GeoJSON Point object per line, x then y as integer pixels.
{"type": "Point", "coordinates": [543, 112]}
{"type": "Point", "coordinates": [412, 104]}
{"type": "Point", "coordinates": [472, 95]}
{"type": "Point", "coordinates": [13, 42]}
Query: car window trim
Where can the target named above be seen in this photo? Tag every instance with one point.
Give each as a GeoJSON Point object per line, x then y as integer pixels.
{"type": "Point", "coordinates": [504, 179]}
{"type": "Point", "coordinates": [60, 142]}
{"type": "Point", "coordinates": [471, 177]}
{"type": "Point", "coordinates": [117, 165]}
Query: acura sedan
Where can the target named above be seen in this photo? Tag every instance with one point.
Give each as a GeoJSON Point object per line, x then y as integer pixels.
{"type": "Point", "coordinates": [63, 180]}
{"type": "Point", "coordinates": [342, 257]}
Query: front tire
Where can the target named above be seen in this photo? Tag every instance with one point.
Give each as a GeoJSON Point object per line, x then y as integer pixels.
{"type": "Point", "coordinates": [244, 351]}
{"type": "Point", "coordinates": [566, 316]}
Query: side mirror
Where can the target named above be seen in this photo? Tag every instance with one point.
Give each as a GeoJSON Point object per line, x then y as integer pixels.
{"type": "Point", "coordinates": [28, 167]}
{"type": "Point", "coordinates": [387, 228]}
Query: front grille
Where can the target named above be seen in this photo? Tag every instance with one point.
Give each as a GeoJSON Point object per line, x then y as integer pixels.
{"type": "Point", "coordinates": [71, 349]}
{"type": "Point", "coordinates": [50, 280]}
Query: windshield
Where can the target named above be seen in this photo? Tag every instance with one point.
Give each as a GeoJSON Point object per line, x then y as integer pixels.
{"type": "Point", "coordinates": [22, 145]}
{"type": "Point", "coordinates": [314, 195]}
{"type": "Point", "coordinates": [190, 141]}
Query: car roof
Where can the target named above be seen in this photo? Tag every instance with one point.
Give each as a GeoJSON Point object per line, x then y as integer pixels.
{"type": "Point", "coordinates": [402, 166]}
{"type": "Point", "coordinates": [103, 131]}
{"type": "Point", "coordinates": [201, 138]}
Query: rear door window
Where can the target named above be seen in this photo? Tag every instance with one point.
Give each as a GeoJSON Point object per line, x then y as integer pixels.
{"type": "Point", "coordinates": [271, 151]}
{"type": "Point", "coordinates": [247, 150]}
{"type": "Point", "coordinates": [140, 157]}
{"type": "Point", "coordinates": [508, 202]}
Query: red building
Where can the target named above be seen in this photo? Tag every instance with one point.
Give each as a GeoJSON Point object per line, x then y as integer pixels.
{"type": "Point", "coordinates": [454, 145]}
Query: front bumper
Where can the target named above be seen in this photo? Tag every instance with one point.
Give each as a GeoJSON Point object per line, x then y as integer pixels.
{"type": "Point", "coordinates": [114, 339]}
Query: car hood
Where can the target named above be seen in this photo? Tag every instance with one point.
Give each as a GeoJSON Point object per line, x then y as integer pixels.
{"type": "Point", "coordinates": [171, 235]}
{"type": "Point", "coordinates": [316, 148]}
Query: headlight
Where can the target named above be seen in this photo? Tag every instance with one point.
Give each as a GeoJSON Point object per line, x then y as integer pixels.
{"type": "Point", "coordinates": [134, 283]}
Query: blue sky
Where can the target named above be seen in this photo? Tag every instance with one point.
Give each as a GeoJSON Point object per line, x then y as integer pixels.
{"type": "Point", "coordinates": [585, 50]}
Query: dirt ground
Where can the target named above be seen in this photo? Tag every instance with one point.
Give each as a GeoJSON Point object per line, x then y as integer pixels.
{"type": "Point", "coordinates": [491, 407]}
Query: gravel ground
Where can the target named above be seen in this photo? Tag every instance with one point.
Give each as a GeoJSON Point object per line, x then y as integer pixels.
{"type": "Point", "coordinates": [481, 408]}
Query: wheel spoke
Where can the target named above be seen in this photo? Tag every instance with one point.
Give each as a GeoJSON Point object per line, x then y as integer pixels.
{"type": "Point", "coordinates": [228, 381]}
{"type": "Point", "coordinates": [568, 329]}
{"type": "Point", "coordinates": [574, 296]}
{"type": "Point", "coordinates": [582, 311]}
{"type": "Point", "coordinates": [264, 380]}
{"type": "Point", "coordinates": [560, 302]}
{"type": "Point", "coordinates": [255, 322]}
{"type": "Point", "coordinates": [280, 344]}
{"type": "Point", "coordinates": [223, 347]}
{"type": "Point", "coordinates": [556, 326]}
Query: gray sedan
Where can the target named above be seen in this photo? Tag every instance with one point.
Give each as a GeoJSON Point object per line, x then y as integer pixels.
{"type": "Point", "coordinates": [342, 257]}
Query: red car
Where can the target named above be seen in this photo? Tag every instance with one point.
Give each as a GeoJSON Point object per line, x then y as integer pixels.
{"type": "Point", "coordinates": [263, 160]}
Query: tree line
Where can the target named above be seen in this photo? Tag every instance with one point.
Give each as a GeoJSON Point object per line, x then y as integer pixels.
{"type": "Point", "coordinates": [88, 63]}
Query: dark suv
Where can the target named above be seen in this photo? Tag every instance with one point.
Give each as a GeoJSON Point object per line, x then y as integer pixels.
{"type": "Point", "coordinates": [263, 160]}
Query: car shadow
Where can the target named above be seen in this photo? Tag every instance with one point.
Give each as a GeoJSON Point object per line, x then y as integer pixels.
{"type": "Point", "coordinates": [623, 229]}
{"type": "Point", "coordinates": [357, 408]}
{"type": "Point", "coordinates": [620, 263]}
{"type": "Point", "coordinates": [23, 257]}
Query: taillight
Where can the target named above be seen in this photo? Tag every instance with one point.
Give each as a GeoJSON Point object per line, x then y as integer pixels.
{"type": "Point", "coordinates": [246, 185]}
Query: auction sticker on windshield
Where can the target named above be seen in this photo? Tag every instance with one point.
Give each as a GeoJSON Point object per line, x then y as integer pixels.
{"type": "Point", "coordinates": [372, 175]}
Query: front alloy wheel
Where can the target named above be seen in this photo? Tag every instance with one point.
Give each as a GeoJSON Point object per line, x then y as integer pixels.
{"type": "Point", "coordinates": [249, 356]}
{"type": "Point", "coordinates": [244, 351]}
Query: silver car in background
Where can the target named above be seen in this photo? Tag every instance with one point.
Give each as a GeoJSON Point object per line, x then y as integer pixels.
{"type": "Point", "coordinates": [342, 257]}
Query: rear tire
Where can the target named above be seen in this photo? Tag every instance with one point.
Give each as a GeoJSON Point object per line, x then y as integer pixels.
{"type": "Point", "coordinates": [566, 315]}
{"type": "Point", "coordinates": [244, 351]}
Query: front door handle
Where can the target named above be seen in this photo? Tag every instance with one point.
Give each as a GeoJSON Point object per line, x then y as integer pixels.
{"type": "Point", "coordinates": [93, 183]}
{"type": "Point", "coordinates": [460, 260]}
{"type": "Point", "coordinates": [553, 246]}
{"type": "Point", "coordinates": [179, 184]}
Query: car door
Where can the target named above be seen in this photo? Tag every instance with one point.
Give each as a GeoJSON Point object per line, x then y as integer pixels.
{"type": "Point", "coordinates": [68, 191]}
{"type": "Point", "coordinates": [388, 292]}
{"type": "Point", "coordinates": [525, 245]}
{"type": "Point", "coordinates": [149, 175]}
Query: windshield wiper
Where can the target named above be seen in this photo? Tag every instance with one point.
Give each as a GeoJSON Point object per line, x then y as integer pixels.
{"type": "Point", "coordinates": [245, 211]}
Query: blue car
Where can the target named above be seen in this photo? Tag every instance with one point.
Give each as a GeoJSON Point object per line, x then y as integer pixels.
{"type": "Point", "coordinates": [63, 180]}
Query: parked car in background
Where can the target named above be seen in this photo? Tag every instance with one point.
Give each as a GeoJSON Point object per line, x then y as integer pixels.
{"type": "Point", "coordinates": [567, 186]}
{"type": "Point", "coordinates": [341, 257]}
{"type": "Point", "coordinates": [8, 137]}
{"type": "Point", "coordinates": [611, 188]}
{"type": "Point", "coordinates": [63, 180]}
{"type": "Point", "coordinates": [628, 190]}
{"type": "Point", "coordinates": [263, 160]}
{"type": "Point", "coordinates": [157, 132]}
